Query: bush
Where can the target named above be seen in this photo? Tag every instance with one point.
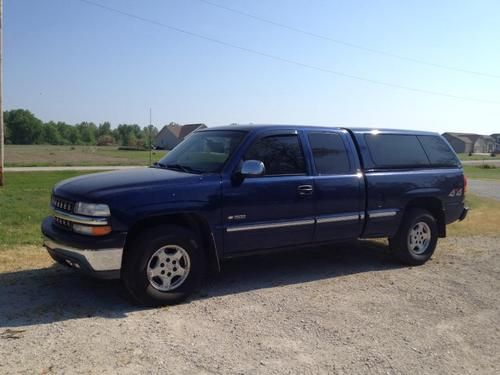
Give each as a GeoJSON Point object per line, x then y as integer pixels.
{"type": "Point", "coordinates": [105, 140]}
{"type": "Point", "coordinates": [487, 166]}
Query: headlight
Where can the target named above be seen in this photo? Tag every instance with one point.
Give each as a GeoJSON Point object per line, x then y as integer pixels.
{"type": "Point", "coordinates": [92, 209]}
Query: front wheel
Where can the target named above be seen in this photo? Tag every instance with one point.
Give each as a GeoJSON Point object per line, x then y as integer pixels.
{"type": "Point", "coordinates": [163, 265]}
{"type": "Point", "coordinates": [416, 239]}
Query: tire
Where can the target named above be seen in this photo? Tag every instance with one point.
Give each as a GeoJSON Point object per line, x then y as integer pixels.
{"type": "Point", "coordinates": [416, 239]}
{"type": "Point", "coordinates": [163, 265]}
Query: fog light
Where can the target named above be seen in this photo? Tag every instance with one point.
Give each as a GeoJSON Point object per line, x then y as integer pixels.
{"type": "Point", "coordinates": [92, 231]}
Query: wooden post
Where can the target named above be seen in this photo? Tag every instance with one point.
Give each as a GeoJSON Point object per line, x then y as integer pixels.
{"type": "Point", "coordinates": [2, 179]}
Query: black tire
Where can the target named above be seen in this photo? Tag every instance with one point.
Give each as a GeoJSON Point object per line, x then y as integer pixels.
{"type": "Point", "coordinates": [140, 253]}
{"type": "Point", "coordinates": [418, 251]}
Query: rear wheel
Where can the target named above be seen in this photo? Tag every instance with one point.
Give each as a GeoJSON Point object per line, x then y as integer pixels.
{"type": "Point", "coordinates": [416, 239]}
{"type": "Point", "coordinates": [163, 265]}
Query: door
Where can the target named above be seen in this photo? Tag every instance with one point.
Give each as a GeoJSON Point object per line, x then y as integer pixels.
{"type": "Point", "coordinates": [338, 186]}
{"type": "Point", "coordinates": [274, 209]}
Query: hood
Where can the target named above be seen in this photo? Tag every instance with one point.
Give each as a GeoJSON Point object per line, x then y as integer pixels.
{"type": "Point", "coordinates": [97, 185]}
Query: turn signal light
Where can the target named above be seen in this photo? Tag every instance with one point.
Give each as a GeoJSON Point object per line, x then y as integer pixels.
{"type": "Point", "coordinates": [91, 230]}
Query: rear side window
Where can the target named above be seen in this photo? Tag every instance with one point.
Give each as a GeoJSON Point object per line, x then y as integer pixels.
{"type": "Point", "coordinates": [281, 154]}
{"type": "Point", "coordinates": [439, 153]}
{"type": "Point", "coordinates": [330, 154]}
{"type": "Point", "coordinates": [396, 150]}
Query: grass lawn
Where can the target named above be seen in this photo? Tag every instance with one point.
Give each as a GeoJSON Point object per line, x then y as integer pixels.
{"type": "Point", "coordinates": [24, 202]}
{"type": "Point", "coordinates": [483, 218]}
{"type": "Point", "coordinates": [474, 171]}
{"type": "Point", "coordinates": [47, 156]}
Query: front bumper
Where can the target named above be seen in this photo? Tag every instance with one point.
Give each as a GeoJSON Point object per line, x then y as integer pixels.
{"type": "Point", "coordinates": [98, 257]}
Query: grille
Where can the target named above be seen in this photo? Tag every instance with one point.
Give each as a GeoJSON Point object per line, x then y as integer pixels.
{"type": "Point", "coordinates": [62, 204]}
{"type": "Point", "coordinates": [62, 223]}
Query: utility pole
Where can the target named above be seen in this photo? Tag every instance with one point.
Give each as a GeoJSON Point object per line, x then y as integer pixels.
{"type": "Point", "coordinates": [1, 103]}
{"type": "Point", "coordinates": [150, 128]}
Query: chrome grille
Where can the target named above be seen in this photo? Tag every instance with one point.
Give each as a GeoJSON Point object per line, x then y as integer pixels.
{"type": "Point", "coordinates": [66, 224]}
{"type": "Point", "coordinates": [62, 204]}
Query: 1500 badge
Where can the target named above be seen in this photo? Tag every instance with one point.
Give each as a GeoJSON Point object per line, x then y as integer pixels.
{"type": "Point", "coordinates": [237, 217]}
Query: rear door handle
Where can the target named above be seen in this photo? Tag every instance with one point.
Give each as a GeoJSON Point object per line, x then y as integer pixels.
{"type": "Point", "coordinates": [305, 189]}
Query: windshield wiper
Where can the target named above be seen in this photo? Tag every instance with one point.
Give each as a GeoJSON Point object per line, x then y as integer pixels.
{"type": "Point", "coordinates": [158, 164]}
{"type": "Point", "coordinates": [183, 168]}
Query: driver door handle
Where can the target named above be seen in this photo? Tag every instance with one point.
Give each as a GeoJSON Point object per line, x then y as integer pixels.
{"type": "Point", "coordinates": [305, 190]}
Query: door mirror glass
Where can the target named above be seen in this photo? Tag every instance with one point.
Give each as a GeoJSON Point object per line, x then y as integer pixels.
{"type": "Point", "coordinates": [252, 168]}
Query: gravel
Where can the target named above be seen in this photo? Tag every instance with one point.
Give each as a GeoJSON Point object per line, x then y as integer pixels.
{"type": "Point", "coordinates": [347, 309]}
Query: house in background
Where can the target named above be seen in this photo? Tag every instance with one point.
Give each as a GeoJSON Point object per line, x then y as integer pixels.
{"type": "Point", "coordinates": [188, 129]}
{"type": "Point", "coordinates": [172, 134]}
{"type": "Point", "coordinates": [464, 143]}
{"type": "Point", "coordinates": [496, 137]}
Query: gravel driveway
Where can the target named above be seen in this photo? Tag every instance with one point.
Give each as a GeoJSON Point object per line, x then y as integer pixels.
{"type": "Point", "coordinates": [485, 188]}
{"type": "Point", "coordinates": [347, 309]}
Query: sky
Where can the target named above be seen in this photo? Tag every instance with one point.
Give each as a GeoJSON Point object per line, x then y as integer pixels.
{"type": "Point", "coordinates": [69, 60]}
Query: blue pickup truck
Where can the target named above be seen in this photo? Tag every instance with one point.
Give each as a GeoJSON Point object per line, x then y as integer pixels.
{"type": "Point", "coordinates": [236, 190]}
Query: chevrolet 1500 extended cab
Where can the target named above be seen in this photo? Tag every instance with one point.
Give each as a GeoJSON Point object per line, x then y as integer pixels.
{"type": "Point", "coordinates": [236, 190]}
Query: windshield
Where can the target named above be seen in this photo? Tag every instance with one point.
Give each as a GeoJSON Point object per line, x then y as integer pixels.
{"type": "Point", "coordinates": [203, 152]}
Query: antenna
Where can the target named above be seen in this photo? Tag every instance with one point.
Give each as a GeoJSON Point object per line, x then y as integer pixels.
{"type": "Point", "coordinates": [150, 145]}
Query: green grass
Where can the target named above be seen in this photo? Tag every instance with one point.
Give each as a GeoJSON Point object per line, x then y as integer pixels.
{"type": "Point", "coordinates": [477, 157]}
{"type": "Point", "coordinates": [48, 156]}
{"type": "Point", "coordinates": [24, 202]}
{"type": "Point", "coordinates": [475, 171]}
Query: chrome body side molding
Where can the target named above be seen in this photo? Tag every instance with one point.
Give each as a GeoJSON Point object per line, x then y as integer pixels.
{"type": "Point", "coordinates": [270, 225]}
{"type": "Point", "coordinates": [382, 213]}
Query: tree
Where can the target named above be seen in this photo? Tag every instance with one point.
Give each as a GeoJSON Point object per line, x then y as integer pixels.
{"type": "Point", "coordinates": [74, 136]}
{"type": "Point", "coordinates": [65, 131]}
{"type": "Point", "coordinates": [128, 134]}
{"type": "Point", "coordinates": [23, 127]}
{"type": "Point", "coordinates": [87, 132]}
{"type": "Point", "coordinates": [149, 131]}
{"type": "Point", "coordinates": [50, 134]}
{"type": "Point", "coordinates": [104, 129]}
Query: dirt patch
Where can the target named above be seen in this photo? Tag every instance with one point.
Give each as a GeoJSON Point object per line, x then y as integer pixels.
{"type": "Point", "coordinates": [21, 258]}
{"type": "Point", "coordinates": [347, 309]}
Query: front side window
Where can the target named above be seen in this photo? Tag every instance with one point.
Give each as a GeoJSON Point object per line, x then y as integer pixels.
{"type": "Point", "coordinates": [281, 155]}
{"type": "Point", "coordinates": [203, 152]}
{"type": "Point", "coordinates": [329, 153]}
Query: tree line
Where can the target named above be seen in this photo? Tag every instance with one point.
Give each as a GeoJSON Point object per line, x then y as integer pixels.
{"type": "Point", "coordinates": [23, 128]}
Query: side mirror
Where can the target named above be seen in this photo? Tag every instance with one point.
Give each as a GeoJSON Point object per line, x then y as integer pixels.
{"type": "Point", "coordinates": [252, 168]}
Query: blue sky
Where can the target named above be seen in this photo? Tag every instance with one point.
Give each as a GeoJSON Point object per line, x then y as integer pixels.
{"type": "Point", "coordinates": [71, 61]}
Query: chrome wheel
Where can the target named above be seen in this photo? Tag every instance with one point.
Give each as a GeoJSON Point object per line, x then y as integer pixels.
{"type": "Point", "coordinates": [168, 268]}
{"type": "Point", "coordinates": [419, 238]}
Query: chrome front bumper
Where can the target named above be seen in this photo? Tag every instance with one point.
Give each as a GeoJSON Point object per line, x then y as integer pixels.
{"type": "Point", "coordinates": [95, 262]}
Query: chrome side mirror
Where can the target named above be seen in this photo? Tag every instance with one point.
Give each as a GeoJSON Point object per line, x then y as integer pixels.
{"type": "Point", "coordinates": [252, 168]}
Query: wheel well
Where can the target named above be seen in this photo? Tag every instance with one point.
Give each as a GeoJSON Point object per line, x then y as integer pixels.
{"type": "Point", "coordinates": [188, 220]}
{"type": "Point", "coordinates": [435, 207]}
